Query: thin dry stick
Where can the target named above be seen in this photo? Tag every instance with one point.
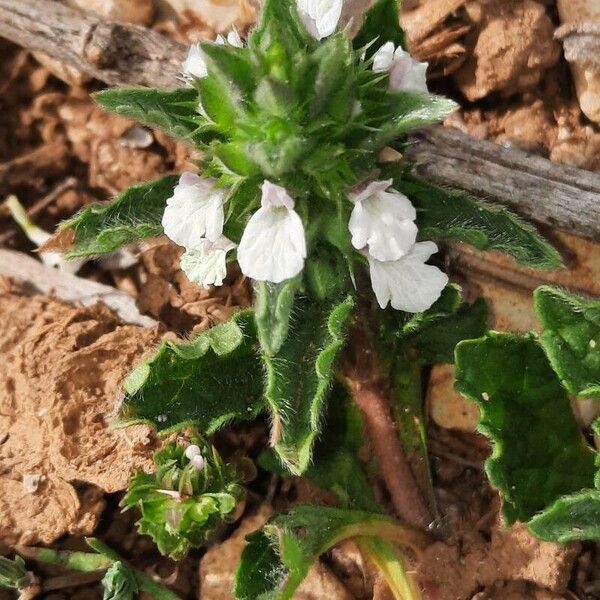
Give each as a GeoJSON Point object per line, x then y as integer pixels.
{"type": "Point", "coordinates": [536, 188]}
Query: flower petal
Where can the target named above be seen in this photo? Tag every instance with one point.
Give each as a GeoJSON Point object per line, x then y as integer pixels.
{"type": "Point", "coordinates": [384, 58]}
{"type": "Point", "coordinates": [206, 264]}
{"type": "Point", "coordinates": [194, 211]}
{"type": "Point", "coordinates": [273, 246]}
{"type": "Point", "coordinates": [408, 284]}
{"type": "Point", "coordinates": [275, 195]}
{"type": "Point", "coordinates": [321, 17]}
{"type": "Point", "coordinates": [194, 66]}
{"type": "Point", "coordinates": [383, 221]}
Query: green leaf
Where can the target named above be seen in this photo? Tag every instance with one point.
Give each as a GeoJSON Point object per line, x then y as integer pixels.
{"type": "Point", "coordinates": [569, 519]}
{"type": "Point", "coordinates": [13, 574]}
{"type": "Point", "coordinates": [278, 558]}
{"type": "Point", "coordinates": [448, 215]}
{"type": "Point", "coordinates": [208, 382]}
{"type": "Point", "coordinates": [409, 111]}
{"type": "Point", "coordinates": [273, 304]}
{"type": "Point", "coordinates": [218, 103]}
{"type": "Point", "coordinates": [435, 341]}
{"type": "Point", "coordinates": [181, 504]}
{"type": "Point", "coordinates": [335, 59]}
{"type": "Point", "coordinates": [539, 453]}
{"type": "Point", "coordinates": [232, 66]}
{"type": "Point", "coordinates": [280, 31]}
{"type": "Point", "coordinates": [135, 215]}
{"type": "Point", "coordinates": [382, 22]}
{"type": "Point", "coordinates": [299, 377]}
{"type": "Point", "coordinates": [175, 112]}
{"type": "Point", "coordinates": [119, 583]}
{"type": "Point", "coordinates": [571, 338]}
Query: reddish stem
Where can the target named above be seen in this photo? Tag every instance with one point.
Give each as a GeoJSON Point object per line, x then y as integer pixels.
{"type": "Point", "coordinates": [391, 458]}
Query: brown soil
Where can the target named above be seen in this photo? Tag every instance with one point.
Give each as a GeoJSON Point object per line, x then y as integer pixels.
{"type": "Point", "coordinates": [61, 468]}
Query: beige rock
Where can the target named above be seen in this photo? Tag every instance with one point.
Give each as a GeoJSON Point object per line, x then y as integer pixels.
{"type": "Point", "coordinates": [447, 408]}
{"type": "Point", "coordinates": [59, 388]}
{"type": "Point", "coordinates": [587, 79]}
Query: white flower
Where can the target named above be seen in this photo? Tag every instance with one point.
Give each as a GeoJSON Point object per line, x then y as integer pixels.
{"type": "Point", "coordinates": [194, 66]}
{"type": "Point", "coordinates": [191, 451]}
{"type": "Point", "coordinates": [321, 17]}
{"type": "Point", "coordinates": [273, 246]}
{"type": "Point", "coordinates": [193, 454]}
{"type": "Point", "coordinates": [197, 462]}
{"type": "Point", "coordinates": [406, 73]}
{"type": "Point", "coordinates": [194, 211]}
{"type": "Point", "coordinates": [408, 283]}
{"type": "Point", "coordinates": [383, 221]}
{"type": "Point", "coordinates": [206, 263]}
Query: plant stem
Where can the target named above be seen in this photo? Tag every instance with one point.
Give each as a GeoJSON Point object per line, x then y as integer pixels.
{"type": "Point", "coordinates": [407, 407]}
{"type": "Point", "coordinates": [391, 458]}
{"type": "Point", "coordinates": [392, 565]}
{"type": "Point", "coordinates": [87, 562]}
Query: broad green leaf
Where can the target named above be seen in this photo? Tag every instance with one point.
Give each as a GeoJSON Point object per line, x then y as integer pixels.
{"type": "Point", "coordinates": [409, 111]}
{"type": "Point", "coordinates": [208, 382]}
{"type": "Point", "coordinates": [448, 215]}
{"type": "Point", "coordinates": [135, 215]}
{"type": "Point", "coordinates": [278, 558]}
{"type": "Point", "coordinates": [382, 23]}
{"type": "Point", "coordinates": [571, 338]}
{"type": "Point", "coordinates": [175, 112]}
{"type": "Point", "coordinates": [569, 519]}
{"type": "Point", "coordinates": [539, 453]}
{"type": "Point", "coordinates": [273, 305]}
{"type": "Point", "coordinates": [435, 342]}
{"type": "Point", "coordinates": [299, 377]}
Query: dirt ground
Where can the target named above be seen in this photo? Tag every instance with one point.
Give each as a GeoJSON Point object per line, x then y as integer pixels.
{"type": "Point", "coordinates": [62, 470]}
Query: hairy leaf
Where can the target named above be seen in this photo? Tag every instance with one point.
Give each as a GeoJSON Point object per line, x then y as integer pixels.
{"type": "Point", "coordinates": [409, 111]}
{"type": "Point", "coordinates": [570, 518]}
{"type": "Point", "coordinates": [277, 558]}
{"type": "Point", "coordinates": [435, 342]}
{"type": "Point", "coordinates": [175, 112]}
{"type": "Point", "coordinates": [208, 382]}
{"type": "Point", "coordinates": [382, 23]}
{"type": "Point", "coordinates": [273, 304]}
{"type": "Point", "coordinates": [539, 453]}
{"type": "Point", "coordinates": [13, 574]}
{"type": "Point", "coordinates": [571, 338]}
{"type": "Point", "coordinates": [299, 377]}
{"type": "Point", "coordinates": [136, 214]}
{"type": "Point", "coordinates": [448, 215]}
{"type": "Point", "coordinates": [119, 582]}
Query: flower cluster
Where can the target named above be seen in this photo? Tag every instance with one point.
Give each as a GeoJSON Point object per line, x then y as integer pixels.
{"type": "Point", "coordinates": [273, 246]}
{"type": "Point", "coordinates": [191, 493]}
